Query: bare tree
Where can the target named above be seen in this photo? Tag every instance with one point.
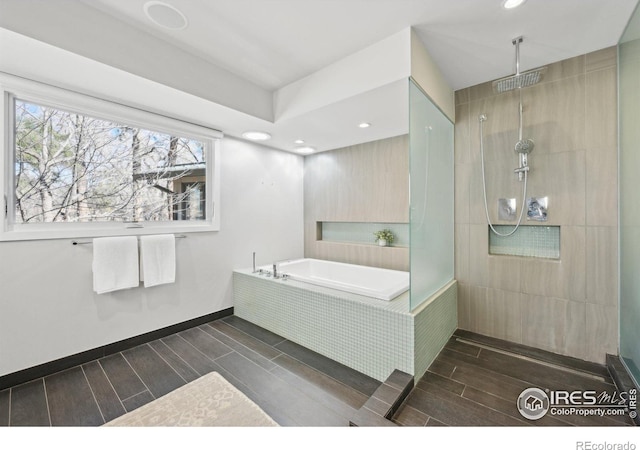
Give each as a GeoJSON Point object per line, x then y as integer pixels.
{"type": "Point", "coordinates": [72, 167]}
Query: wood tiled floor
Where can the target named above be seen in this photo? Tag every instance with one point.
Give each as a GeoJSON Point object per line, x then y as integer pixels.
{"type": "Point", "coordinates": [475, 385]}
{"type": "Point", "coordinates": [295, 386]}
{"type": "Point", "coordinates": [467, 385]}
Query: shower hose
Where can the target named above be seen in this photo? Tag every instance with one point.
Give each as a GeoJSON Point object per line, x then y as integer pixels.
{"type": "Point", "coordinates": [484, 186]}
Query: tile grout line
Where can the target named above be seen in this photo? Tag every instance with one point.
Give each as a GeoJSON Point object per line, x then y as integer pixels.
{"type": "Point", "coordinates": [489, 407]}
{"type": "Point", "coordinates": [261, 368]}
{"type": "Point", "coordinates": [541, 362]}
{"type": "Point", "coordinates": [199, 351]}
{"type": "Point", "coordinates": [141, 380]}
{"type": "Point", "coordinates": [93, 394]}
{"type": "Point", "coordinates": [228, 353]}
{"type": "Point", "coordinates": [111, 384]}
{"type": "Point", "coordinates": [319, 371]}
{"type": "Point", "coordinates": [46, 399]}
{"type": "Point", "coordinates": [167, 362]}
{"type": "Point", "coordinates": [181, 358]}
{"type": "Point", "coordinates": [10, 395]}
{"type": "Point", "coordinates": [242, 331]}
{"type": "Point", "coordinates": [230, 349]}
{"type": "Point", "coordinates": [327, 393]}
{"type": "Point", "coordinates": [243, 345]}
{"type": "Point", "coordinates": [492, 371]}
{"type": "Point", "coordinates": [239, 381]}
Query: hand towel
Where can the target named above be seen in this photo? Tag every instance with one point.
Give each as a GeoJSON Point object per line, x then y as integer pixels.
{"type": "Point", "coordinates": [158, 259]}
{"type": "Point", "coordinates": [115, 263]}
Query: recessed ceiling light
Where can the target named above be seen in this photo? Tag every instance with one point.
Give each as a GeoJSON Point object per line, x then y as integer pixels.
{"type": "Point", "coordinates": [165, 15]}
{"type": "Point", "coordinates": [364, 125]}
{"type": "Point", "coordinates": [298, 141]}
{"type": "Point", "coordinates": [305, 150]}
{"type": "Point", "coordinates": [510, 4]}
{"type": "Point", "coordinates": [256, 135]}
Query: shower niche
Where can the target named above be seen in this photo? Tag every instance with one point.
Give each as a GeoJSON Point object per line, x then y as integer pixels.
{"type": "Point", "coordinates": [532, 241]}
{"type": "Point", "coordinates": [362, 232]}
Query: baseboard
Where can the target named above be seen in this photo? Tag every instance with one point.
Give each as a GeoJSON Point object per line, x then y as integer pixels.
{"type": "Point", "coordinates": [42, 370]}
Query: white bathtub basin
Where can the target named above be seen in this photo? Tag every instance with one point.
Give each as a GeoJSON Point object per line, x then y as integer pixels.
{"type": "Point", "coordinates": [383, 284]}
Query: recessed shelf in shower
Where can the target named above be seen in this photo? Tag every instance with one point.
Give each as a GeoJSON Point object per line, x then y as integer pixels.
{"type": "Point", "coordinates": [534, 241]}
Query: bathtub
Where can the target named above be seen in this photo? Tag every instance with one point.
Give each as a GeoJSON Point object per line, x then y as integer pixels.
{"type": "Point", "coordinates": [367, 334]}
{"type": "Point", "coordinates": [383, 284]}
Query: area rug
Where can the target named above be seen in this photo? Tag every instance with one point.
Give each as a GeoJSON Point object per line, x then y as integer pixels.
{"type": "Point", "coordinates": [209, 401]}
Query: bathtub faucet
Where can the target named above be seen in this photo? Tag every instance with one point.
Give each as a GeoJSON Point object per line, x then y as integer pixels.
{"type": "Point", "coordinates": [276, 268]}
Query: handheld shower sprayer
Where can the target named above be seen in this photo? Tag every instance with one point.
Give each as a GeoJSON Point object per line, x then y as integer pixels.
{"type": "Point", "coordinates": [524, 146]}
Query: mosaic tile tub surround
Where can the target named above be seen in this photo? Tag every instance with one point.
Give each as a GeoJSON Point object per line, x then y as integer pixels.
{"type": "Point", "coordinates": [371, 336]}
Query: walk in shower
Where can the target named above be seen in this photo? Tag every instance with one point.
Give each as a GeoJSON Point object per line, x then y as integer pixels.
{"type": "Point", "coordinates": [629, 165]}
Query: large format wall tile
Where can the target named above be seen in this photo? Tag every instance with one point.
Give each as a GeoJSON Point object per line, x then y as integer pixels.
{"type": "Point", "coordinates": [554, 115]}
{"type": "Point", "coordinates": [602, 265]}
{"type": "Point", "coordinates": [560, 177]}
{"type": "Point", "coordinates": [461, 241]}
{"type": "Point", "coordinates": [554, 324]}
{"type": "Point", "coordinates": [462, 136]}
{"type": "Point", "coordinates": [462, 192]}
{"type": "Point", "coordinates": [601, 108]}
{"type": "Point", "coordinates": [572, 117]}
{"type": "Point", "coordinates": [362, 183]}
{"type": "Point", "coordinates": [495, 313]}
{"type": "Point", "coordinates": [564, 278]}
{"type": "Point", "coordinates": [602, 332]}
{"type": "Point", "coordinates": [601, 59]}
{"type": "Point", "coordinates": [565, 69]}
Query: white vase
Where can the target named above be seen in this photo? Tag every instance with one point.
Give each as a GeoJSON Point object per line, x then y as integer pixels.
{"type": "Point", "coordinates": [382, 242]}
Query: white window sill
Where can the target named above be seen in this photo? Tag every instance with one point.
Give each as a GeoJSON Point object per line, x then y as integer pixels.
{"type": "Point", "coordinates": [50, 231]}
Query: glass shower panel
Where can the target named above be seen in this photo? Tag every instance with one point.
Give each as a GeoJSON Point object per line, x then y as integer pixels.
{"type": "Point", "coordinates": [629, 142]}
{"type": "Point", "coordinates": [431, 200]}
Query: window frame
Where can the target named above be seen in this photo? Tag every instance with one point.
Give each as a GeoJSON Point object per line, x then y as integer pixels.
{"type": "Point", "coordinates": [12, 88]}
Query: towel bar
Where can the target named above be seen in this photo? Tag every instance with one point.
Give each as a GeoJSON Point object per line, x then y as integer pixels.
{"type": "Point", "coordinates": [178, 236]}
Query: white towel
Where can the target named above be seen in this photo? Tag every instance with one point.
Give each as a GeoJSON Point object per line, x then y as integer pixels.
{"type": "Point", "coordinates": [158, 259]}
{"type": "Point", "coordinates": [115, 263]}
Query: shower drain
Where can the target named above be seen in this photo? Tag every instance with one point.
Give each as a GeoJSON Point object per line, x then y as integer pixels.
{"type": "Point", "coordinates": [537, 361]}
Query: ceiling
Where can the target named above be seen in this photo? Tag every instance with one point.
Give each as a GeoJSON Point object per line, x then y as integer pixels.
{"type": "Point", "coordinates": [275, 42]}
{"type": "Point", "coordinates": [266, 45]}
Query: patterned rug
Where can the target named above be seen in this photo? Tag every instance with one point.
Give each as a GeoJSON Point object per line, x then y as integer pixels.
{"type": "Point", "coordinates": [209, 401]}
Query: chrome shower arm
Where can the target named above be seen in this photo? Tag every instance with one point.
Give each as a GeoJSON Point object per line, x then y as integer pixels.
{"type": "Point", "coordinates": [517, 42]}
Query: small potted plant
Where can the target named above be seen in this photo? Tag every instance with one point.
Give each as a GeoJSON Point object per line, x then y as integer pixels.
{"type": "Point", "coordinates": [384, 237]}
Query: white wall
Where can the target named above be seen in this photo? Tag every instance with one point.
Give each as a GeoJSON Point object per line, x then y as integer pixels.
{"type": "Point", "coordinates": [48, 308]}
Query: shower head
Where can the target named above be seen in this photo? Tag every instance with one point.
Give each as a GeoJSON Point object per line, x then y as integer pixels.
{"type": "Point", "coordinates": [522, 80]}
{"type": "Point", "coordinates": [524, 146]}
{"type": "Point", "coordinates": [519, 80]}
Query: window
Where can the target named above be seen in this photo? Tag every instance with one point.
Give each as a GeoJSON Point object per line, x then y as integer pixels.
{"type": "Point", "coordinates": [79, 166]}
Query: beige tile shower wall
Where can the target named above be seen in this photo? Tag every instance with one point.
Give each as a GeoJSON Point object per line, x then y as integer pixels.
{"type": "Point", "coordinates": [567, 306]}
{"type": "Point", "coordinates": [361, 183]}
